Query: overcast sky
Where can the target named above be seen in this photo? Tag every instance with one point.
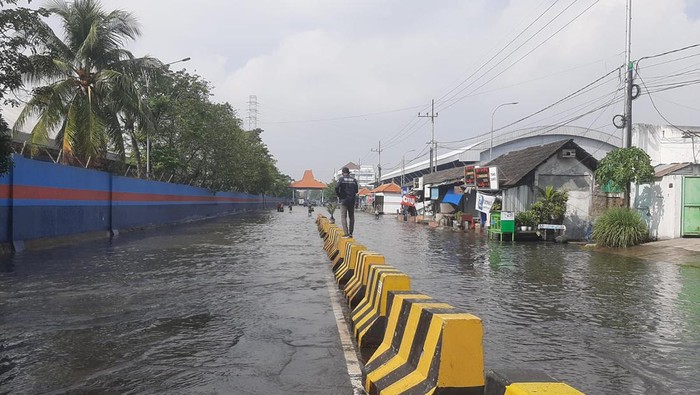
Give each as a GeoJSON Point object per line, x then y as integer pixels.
{"type": "Point", "coordinates": [333, 78]}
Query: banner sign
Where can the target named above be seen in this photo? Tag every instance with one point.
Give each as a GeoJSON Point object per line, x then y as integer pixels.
{"type": "Point", "coordinates": [408, 200]}
{"type": "Point", "coordinates": [484, 202]}
{"type": "Point", "coordinates": [469, 179]}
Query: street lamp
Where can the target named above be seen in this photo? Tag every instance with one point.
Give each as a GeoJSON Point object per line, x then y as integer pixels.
{"type": "Point", "coordinates": [178, 61]}
{"type": "Point", "coordinates": [494, 113]}
{"type": "Point", "coordinates": [148, 140]}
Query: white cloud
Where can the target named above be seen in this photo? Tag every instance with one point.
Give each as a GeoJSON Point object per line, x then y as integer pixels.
{"type": "Point", "coordinates": [311, 60]}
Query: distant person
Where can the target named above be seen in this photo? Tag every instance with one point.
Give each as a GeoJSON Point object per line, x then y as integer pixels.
{"type": "Point", "coordinates": [290, 207]}
{"type": "Point", "coordinates": [311, 209]}
{"type": "Point", "coordinates": [346, 190]}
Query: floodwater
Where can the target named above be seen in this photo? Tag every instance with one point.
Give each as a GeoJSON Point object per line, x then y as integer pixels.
{"type": "Point", "coordinates": [240, 305]}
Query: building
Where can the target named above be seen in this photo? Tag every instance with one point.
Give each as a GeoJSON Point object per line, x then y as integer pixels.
{"type": "Point", "coordinates": [563, 165]}
{"type": "Point", "coordinates": [364, 174]}
{"type": "Point", "coordinates": [670, 205]}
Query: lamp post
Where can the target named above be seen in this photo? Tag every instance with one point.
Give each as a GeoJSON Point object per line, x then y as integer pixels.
{"type": "Point", "coordinates": [148, 139]}
{"type": "Point", "coordinates": [492, 115]}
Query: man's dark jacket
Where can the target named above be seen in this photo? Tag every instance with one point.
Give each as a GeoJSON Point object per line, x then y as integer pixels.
{"type": "Point", "coordinates": [346, 190]}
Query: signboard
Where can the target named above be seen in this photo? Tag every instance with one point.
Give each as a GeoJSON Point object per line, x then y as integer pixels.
{"type": "Point", "coordinates": [507, 215]}
{"type": "Point", "coordinates": [482, 179]}
{"type": "Point", "coordinates": [493, 178]}
{"type": "Point", "coordinates": [469, 176]}
{"type": "Point", "coordinates": [484, 202]}
{"type": "Point", "coordinates": [486, 178]}
{"type": "Point", "coordinates": [408, 200]}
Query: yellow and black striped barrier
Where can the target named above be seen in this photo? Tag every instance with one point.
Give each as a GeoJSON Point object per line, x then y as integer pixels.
{"type": "Point", "coordinates": [331, 245]}
{"type": "Point", "coordinates": [525, 382]}
{"type": "Point", "coordinates": [344, 271]}
{"type": "Point", "coordinates": [413, 343]}
{"type": "Point", "coordinates": [357, 285]}
{"type": "Point", "coordinates": [369, 317]}
{"type": "Point", "coordinates": [428, 347]}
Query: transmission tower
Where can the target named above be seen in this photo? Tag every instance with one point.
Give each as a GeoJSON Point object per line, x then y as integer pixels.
{"type": "Point", "coordinates": [252, 112]}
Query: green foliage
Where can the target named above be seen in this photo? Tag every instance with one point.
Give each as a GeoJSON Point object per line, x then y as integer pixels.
{"type": "Point", "coordinates": [620, 227]}
{"type": "Point", "coordinates": [83, 80]}
{"type": "Point", "coordinates": [550, 206]}
{"type": "Point", "coordinates": [526, 218]}
{"type": "Point", "coordinates": [331, 207]}
{"type": "Point", "coordinates": [624, 166]}
{"type": "Point", "coordinates": [16, 23]}
{"type": "Point", "coordinates": [329, 192]}
{"type": "Point", "coordinates": [5, 148]}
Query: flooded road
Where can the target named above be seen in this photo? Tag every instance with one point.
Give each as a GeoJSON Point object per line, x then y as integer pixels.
{"type": "Point", "coordinates": [240, 305]}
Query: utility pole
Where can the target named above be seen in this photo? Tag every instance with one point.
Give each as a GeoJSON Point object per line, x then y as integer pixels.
{"type": "Point", "coordinates": [379, 165]}
{"type": "Point", "coordinates": [629, 78]}
{"type": "Point", "coordinates": [628, 97]}
{"type": "Point", "coordinates": [433, 144]}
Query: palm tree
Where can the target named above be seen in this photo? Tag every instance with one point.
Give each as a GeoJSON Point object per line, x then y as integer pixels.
{"type": "Point", "coordinates": [86, 82]}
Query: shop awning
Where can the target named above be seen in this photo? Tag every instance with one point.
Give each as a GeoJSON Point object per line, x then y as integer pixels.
{"type": "Point", "coordinates": [452, 197]}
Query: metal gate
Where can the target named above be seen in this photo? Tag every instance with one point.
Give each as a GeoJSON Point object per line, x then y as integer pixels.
{"type": "Point", "coordinates": [691, 207]}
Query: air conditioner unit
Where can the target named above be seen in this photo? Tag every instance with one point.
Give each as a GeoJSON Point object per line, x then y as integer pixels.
{"type": "Point", "coordinates": [568, 153]}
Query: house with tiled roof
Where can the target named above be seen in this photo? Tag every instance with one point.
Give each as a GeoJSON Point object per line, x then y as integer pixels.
{"type": "Point", "coordinates": [561, 164]}
{"type": "Point", "coordinates": [387, 198]}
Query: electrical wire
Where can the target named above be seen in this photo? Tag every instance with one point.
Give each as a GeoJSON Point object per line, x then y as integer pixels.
{"type": "Point", "coordinates": [527, 54]}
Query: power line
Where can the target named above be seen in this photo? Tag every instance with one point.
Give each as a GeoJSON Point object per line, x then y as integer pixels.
{"type": "Point", "coordinates": [527, 54]}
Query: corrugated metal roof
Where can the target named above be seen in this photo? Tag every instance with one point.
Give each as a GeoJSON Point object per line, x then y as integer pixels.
{"type": "Point", "coordinates": [668, 168]}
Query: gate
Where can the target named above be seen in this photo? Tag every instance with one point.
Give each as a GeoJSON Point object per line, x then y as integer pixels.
{"type": "Point", "coordinates": [691, 207]}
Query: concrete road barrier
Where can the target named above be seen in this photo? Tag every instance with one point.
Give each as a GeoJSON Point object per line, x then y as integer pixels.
{"type": "Point", "coordinates": [346, 269]}
{"type": "Point", "coordinates": [331, 244]}
{"type": "Point", "coordinates": [343, 244]}
{"type": "Point", "coordinates": [369, 318]}
{"type": "Point", "coordinates": [525, 382]}
{"type": "Point", "coordinates": [428, 347]}
{"type": "Point", "coordinates": [357, 285]}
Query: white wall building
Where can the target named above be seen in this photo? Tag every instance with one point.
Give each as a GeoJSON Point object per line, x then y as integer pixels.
{"type": "Point", "coordinates": [671, 204]}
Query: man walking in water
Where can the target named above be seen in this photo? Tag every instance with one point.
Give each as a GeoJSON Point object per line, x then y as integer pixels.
{"type": "Point", "coordinates": [346, 189]}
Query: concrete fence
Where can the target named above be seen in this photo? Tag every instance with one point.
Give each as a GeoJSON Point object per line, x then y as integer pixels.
{"type": "Point", "coordinates": [40, 200]}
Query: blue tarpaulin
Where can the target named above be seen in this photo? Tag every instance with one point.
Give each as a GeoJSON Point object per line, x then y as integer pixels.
{"type": "Point", "coordinates": [451, 197]}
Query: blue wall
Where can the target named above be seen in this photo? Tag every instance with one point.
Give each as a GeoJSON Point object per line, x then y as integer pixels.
{"type": "Point", "coordinates": [43, 200]}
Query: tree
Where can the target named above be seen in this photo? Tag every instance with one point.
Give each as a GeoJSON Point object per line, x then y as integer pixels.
{"type": "Point", "coordinates": [85, 80]}
{"type": "Point", "coordinates": [551, 205]}
{"type": "Point", "coordinates": [15, 25]}
{"type": "Point", "coordinates": [624, 166]}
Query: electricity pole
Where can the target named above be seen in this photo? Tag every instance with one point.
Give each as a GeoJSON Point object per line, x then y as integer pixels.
{"type": "Point", "coordinates": [379, 165]}
{"type": "Point", "coordinates": [629, 78]}
{"type": "Point", "coordinates": [433, 145]}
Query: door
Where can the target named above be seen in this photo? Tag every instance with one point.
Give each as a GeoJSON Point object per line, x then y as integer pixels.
{"type": "Point", "coordinates": [691, 207]}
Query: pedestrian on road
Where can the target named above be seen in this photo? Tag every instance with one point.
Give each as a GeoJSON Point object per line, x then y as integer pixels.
{"type": "Point", "coordinates": [347, 189]}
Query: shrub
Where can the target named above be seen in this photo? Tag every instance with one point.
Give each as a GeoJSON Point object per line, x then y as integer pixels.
{"type": "Point", "coordinates": [620, 227]}
{"type": "Point", "coordinates": [526, 218]}
{"type": "Point", "coordinates": [550, 207]}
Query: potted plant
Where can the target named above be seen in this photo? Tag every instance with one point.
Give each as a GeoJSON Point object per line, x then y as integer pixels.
{"type": "Point", "coordinates": [521, 220]}
{"type": "Point", "coordinates": [551, 206]}
{"type": "Point", "coordinates": [331, 209]}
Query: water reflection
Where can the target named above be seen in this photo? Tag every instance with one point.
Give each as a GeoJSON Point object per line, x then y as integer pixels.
{"type": "Point", "coordinates": [241, 303]}
{"type": "Point", "coordinates": [604, 323]}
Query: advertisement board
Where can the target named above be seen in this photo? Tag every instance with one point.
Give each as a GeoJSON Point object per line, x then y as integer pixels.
{"type": "Point", "coordinates": [482, 178]}
{"type": "Point", "coordinates": [469, 179]}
